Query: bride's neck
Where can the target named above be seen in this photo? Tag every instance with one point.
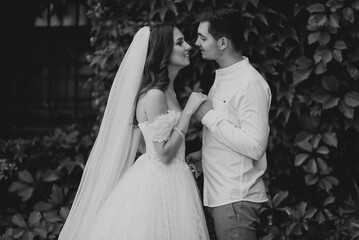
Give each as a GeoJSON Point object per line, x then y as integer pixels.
{"type": "Point", "coordinates": [172, 74]}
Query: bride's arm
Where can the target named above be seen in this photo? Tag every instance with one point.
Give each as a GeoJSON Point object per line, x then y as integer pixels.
{"type": "Point", "coordinates": [156, 106]}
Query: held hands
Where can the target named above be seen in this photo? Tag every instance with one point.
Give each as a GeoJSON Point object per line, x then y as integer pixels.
{"type": "Point", "coordinates": [194, 101]}
{"type": "Point", "coordinates": [194, 162]}
{"type": "Point", "coordinates": [202, 110]}
{"type": "Point", "coordinates": [194, 157]}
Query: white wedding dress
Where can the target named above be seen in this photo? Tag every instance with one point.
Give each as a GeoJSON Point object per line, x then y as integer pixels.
{"type": "Point", "coordinates": [153, 200]}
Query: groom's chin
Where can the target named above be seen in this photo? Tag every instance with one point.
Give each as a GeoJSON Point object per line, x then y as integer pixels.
{"type": "Point", "coordinates": [204, 56]}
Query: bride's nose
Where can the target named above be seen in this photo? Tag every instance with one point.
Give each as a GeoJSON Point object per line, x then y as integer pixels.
{"type": "Point", "coordinates": [188, 47]}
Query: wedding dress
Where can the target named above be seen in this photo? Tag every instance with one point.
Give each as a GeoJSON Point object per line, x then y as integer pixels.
{"type": "Point", "coordinates": [153, 200]}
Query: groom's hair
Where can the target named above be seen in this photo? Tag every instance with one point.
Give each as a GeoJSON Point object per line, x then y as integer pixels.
{"type": "Point", "coordinates": [224, 22]}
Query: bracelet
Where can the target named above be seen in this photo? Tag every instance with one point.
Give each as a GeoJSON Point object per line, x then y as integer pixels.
{"type": "Point", "coordinates": [180, 132]}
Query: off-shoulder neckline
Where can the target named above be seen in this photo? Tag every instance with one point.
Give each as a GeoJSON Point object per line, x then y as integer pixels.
{"type": "Point", "coordinates": [159, 116]}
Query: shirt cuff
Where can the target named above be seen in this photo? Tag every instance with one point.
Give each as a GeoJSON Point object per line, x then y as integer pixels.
{"type": "Point", "coordinates": [211, 119]}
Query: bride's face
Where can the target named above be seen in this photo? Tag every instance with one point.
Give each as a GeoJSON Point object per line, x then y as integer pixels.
{"type": "Point", "coordinates": [180, 51]}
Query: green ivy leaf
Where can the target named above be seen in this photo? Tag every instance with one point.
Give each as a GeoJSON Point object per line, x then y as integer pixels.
{"type": "Point", "coordinates": [25, 176]}
{"type": "Point", "coordinates": [315, 140]}
{"type": "Point", "coordinates": [352, 99]}
{"type": "Point", "coordinates": [40, 231]}
{"type": "Point", "coordinates": [303, 63]}
{"type": "Point", "coordinates": [333, 180]}
{"type": "Point", "coordinates": [64, 212]}
{"type": "Point", "coordinates": [162, 13]}
{"type": "Point", "coordinates": [326, 183]}
{"type": "Point", "coordinates": [316, 21]}
{"type": "Point", "coordinates": [311, 166]}
{"type": "Point", "coordinates": [19, 220]}
{"type": "Point", "coordinates": [330, 83]}
{"type": "Point", "coordinates": [262, 18]}
{"type": "Point", "coordinates": [313, 37]}
{"type": "Point", "coordinates": [346, 110]}
{"type": "Point", "coordinates": [330, 138]}
{"type": "Point", "coordinates": [189, 4]}
{"type": "Point", "coordinates": [171, 6]}
{"type": "Point", "coordinates": [52, 217]}
{"type": "Point", "coordinates": [285, 110]}
{"type": "Point", "coordinates": [300, 158]}
{"type": "Point", "coordinates": [18, 232]}
{"type": "Point", "coordinates": [34, 219]}
{"type": "Point", "coordinates": [301, 209]}
{"type": "Point", "coordinates": [348, 14]}
{"type": "Point", "coordinates": [316, 8]}
{"type": "Point", "coordinates": [334, 5]}
{"type": "Point", "coordinates": [333, 20]}
{"type": "Point", "coordinates": [323, 150]}
{"type": "Point", "coordinates": [320, 217]}
{"type": "Point", "coordinates": [317, 57]}
{"type": "Point", "coordinates": [353, 72]}
{"type": "Point", "coordinates": [301, 75]}
{"type": "Point", "coordinates": [326, 56]}
{"type": "Point", "coordinates": [337, 55]}
{"type": "Point", "coordinates": [302, 140]}
{"type": "Point", "coordinates": [279, 197]}
{"type": "Point", "coordinates": [340, 45]}
{"type": "Point", "coordinates": [320, 68]}
{"type": "Point", "coordinates": [309, 213]}
{"type": "Point", "coordinates": [311, 179]}
{"type": "Point", "coordinates": [322, 97]}
{"type": "Point", "coordinates": [57, 196]}
{"type": "Point", "coordinates": [23, 190]}
{"type": "Point", "coordinates": [323, 166]}
{"type": "Point", "coordinates": [50, 176]}
{"type": "Point", "coordinates": [324, 38]}
{"type": "Point", "coordinates": [332, 102]}
{"type": "Point", "coordinates": [355, 5]}
{"type": "Point", "coordinates": [329, 200]}
{"type": "Point", "coordinates": [43, 206]}
{"type": "Point", "coordinates": [28, 236]}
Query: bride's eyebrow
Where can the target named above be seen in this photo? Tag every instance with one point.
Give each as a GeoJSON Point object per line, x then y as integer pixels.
{"type": "Point", "coordinates": [179, 39]}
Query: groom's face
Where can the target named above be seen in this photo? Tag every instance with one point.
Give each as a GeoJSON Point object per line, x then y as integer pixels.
{"type": "Point", "coordinates": [207, 43]}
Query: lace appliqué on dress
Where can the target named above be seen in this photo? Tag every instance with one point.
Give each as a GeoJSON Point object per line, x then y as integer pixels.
{"type": "Point", "coordinates": [161, 127]}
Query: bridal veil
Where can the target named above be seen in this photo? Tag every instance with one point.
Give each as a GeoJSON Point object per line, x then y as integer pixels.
{"type": "Point", "coordinates": [115, 148]}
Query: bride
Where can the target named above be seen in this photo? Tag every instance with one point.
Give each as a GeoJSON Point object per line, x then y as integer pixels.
{"type": "Point", "coordinates": [156, 197]}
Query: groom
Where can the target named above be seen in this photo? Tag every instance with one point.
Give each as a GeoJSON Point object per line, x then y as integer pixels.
{"type": "Point", "coordinates": [235, 131]}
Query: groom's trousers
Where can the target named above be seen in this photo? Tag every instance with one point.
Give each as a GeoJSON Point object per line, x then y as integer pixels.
{"type": "Point", "coordinates": [236, 221]}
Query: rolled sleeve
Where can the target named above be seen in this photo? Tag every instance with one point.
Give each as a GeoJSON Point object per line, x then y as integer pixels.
{"type": "Point", "coordinates": [211, 119]}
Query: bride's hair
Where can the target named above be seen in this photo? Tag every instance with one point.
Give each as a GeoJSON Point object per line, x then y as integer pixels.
{"type": "Point", "coordinates": [160, 45]}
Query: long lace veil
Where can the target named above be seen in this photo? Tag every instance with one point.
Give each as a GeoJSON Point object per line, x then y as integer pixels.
{"type": "Point", "coordinates": [116, 144]}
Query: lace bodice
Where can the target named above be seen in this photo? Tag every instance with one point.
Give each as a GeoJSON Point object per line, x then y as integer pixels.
{"type": "Point", "coordinates": [159, 130]}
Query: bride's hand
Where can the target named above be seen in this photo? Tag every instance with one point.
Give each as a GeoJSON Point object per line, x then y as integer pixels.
{"type": "Point", "coordinates": [194, 101]}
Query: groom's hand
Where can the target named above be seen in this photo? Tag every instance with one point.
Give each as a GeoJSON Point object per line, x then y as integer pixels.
{"type": "Point", "coordinates": [202, 110]}
{"type": "Point", "coordinates": [194, 157]}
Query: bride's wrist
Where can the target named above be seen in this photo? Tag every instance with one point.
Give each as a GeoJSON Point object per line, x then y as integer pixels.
{"type": "Point", "coordinates": [186, 114]}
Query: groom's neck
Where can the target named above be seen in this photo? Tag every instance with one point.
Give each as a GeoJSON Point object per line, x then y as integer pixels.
{"type": "Point", "coordinates": [229, 58]}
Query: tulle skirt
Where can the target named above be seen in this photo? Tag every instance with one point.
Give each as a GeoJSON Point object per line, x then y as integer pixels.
{"type": "Point", "coordinates": [153, 201]}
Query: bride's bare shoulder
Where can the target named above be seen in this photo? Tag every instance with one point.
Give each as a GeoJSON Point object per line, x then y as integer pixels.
{"type": "Point", "coordinates": [151, 104]}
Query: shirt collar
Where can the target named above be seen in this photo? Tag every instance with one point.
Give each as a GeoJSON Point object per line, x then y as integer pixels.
{"type": "Point", "coordinates": [223, 72]}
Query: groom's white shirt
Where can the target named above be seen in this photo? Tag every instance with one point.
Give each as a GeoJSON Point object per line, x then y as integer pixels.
{"type": "Point", "coordinates": [235, 136]}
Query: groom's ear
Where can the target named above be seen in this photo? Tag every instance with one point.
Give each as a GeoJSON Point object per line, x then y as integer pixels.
{"type": "Point", "coordinates": [223, 43]}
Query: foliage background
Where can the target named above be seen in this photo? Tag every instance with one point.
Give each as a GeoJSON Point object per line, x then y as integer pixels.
{"type": "Point", "coordinates": [307, 50]}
